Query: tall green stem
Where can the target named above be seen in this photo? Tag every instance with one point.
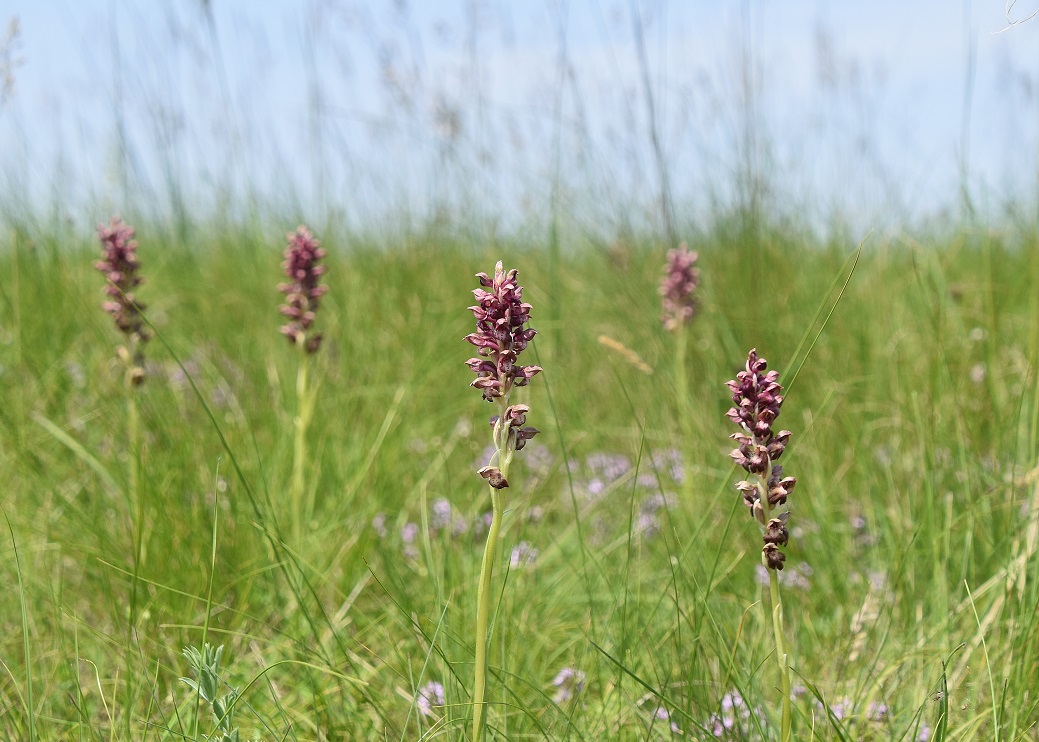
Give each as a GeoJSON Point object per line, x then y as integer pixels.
{"type": "Point", "coordinates": [502, 458]}
{"type": "Point", "coordinates": [777, 616]}
{"type": "Point", "coordinates": [684, 406]}
{"type": "Point", "coordinates": [136, 506]}
{"type": "Point", "coordinates": [301, 510]}
{"type": "Point", "coordinates": [483, 613]}
{"type": "Point", "coordinates": [784, 667]}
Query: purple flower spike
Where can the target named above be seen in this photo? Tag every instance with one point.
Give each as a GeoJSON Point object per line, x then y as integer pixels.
{"type": "Point", "coordinates": [757, 397]}
{"type": "Point", "coordinates": [500, 337]}
{"type": "Point", "coordinates": [119, 265]}
{"type": "Point", "coordinates": [302, 292]}
{"type": "Point", "coordinates": [678, 288]}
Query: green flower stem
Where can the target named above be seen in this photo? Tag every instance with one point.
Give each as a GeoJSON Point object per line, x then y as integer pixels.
{"type": "Point", "coordinates": [301, 511]}
{"type": "Point", "coordinates": [777, 616]}
{"type": "Point", "coordinates": [502, 458]}
{"type": "Point", "coordinates": [483, 611]}
{"type": "Point", "coordinates": [135, 502]}
{"type": "Point", "coordinates": [781, 656]}
{"type": "Point", "coordinates": [684, 405]}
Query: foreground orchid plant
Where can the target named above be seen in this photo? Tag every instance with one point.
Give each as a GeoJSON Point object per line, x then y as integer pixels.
{"type": "Point", "coordinates": [302, 297]}
{"type": "Point", "coordinates": [119, 265]}
{"type": "Point", "coordinates": [757, 397]}
{"type": "Point", "coordinates": [500, 337]}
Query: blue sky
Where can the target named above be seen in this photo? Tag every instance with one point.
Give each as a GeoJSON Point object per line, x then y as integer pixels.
{"type": "Point", "coordinates": [372, 111]}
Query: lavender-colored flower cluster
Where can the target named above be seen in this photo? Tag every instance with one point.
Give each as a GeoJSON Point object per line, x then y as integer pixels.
{"type": "Point", "coordinates": [444, 518]}
{"type": "Point", "coordinates": [662, 714]}
{"type": "Point", "coordinates": [757, 397]}
{"type": "Point", "coordinates": [569, 682]}
{"type": "Point", "coordinates": [408, 533]}
{"type": "Point", "coordinates": [303, 292]}
{"type": "Point", "coordinates": [601, 473]}
{"type": "Point", "coordinates": [647, 524]}
{"type": "Point", "coordinates": [734, 719]}
{"type": "Point", "coordinates": [429, 695]}
{"type": "Point", "coordinates": [119, 264]}
{"type": "Point", "coordinates": [523, 555]}
{"type": "Point", "coordinates": [596, 474]}
{"type": "Point", "coordinates": [678, 288]}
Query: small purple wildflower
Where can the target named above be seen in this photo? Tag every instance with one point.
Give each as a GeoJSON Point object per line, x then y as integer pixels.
{"type": "Point", "coordinates": [482, 523]}
{"type": "Point", "coordinates": [441, 515]}
{"type": "Point", "coordinates": [407, 534]}
{"type": "Point", "coordinates": [538, 459]}
{"type": "Point", "coordinates": [648, 522]}
{"type": "Point", "coordinates": [303, 292]}
{"type": "Point", "coordinates": [569, 682]}
{"type": "Point", "coordinates": [379, 525]}
{"type": "Point", "coordinates": [734, 719]}
{"type": "Point", "coordinates": [523, 555]}
{"type": "Point", "coordinates": [663, 714]}
{"type": "Point", "coordinates": [877, 711]}
{"type": "Point", "coordinates": [119, 264]}
{"type": "Point", "coordinates": [678, 289]}
{"type": "Point", "coordinates": [757, 397]}
{"type": "Point", "coordinates": [611, 466]}
{"type": "Point", "coordinates": [429, 695]}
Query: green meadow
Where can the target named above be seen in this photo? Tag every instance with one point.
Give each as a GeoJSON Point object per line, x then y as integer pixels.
{"type": "Point", "coordinates": [628, 601]}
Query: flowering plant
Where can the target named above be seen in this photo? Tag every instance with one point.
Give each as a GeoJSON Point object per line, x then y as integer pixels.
{"type": "Point", "coordinates": [757, 397]}
{"type": "Point", "coordinates": [500, 337]}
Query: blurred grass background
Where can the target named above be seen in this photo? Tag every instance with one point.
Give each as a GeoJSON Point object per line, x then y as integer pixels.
{"type": "Point", "coordinates": [914, 422]}
{"type": "Point", "coordinates": [911, 589]}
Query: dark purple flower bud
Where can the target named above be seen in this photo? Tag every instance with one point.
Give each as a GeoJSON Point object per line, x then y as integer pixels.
{"type": "Point", "coordinates": [775, 531]}
{"type": "Point", "coordinates": [303, 292]}
{"type": "Point", "coordinates": [778, 444]}
{"type": "Point", "coordinates": [774, 558]}
{"type": "Point", "coordinates": [779, 487]}
{"type": "Point", "coordinates": [753, 458]}
{"type": "Point", "coordinates": [750, 492]}
{"type": "Point", "coordinates": [523, 435]}
{"type": "Point", "coordinates": [516, 415]}
{"type": "Point", "coordinates": [678, 288]}
{"type": "Point", "coordinates": [494, 477]}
